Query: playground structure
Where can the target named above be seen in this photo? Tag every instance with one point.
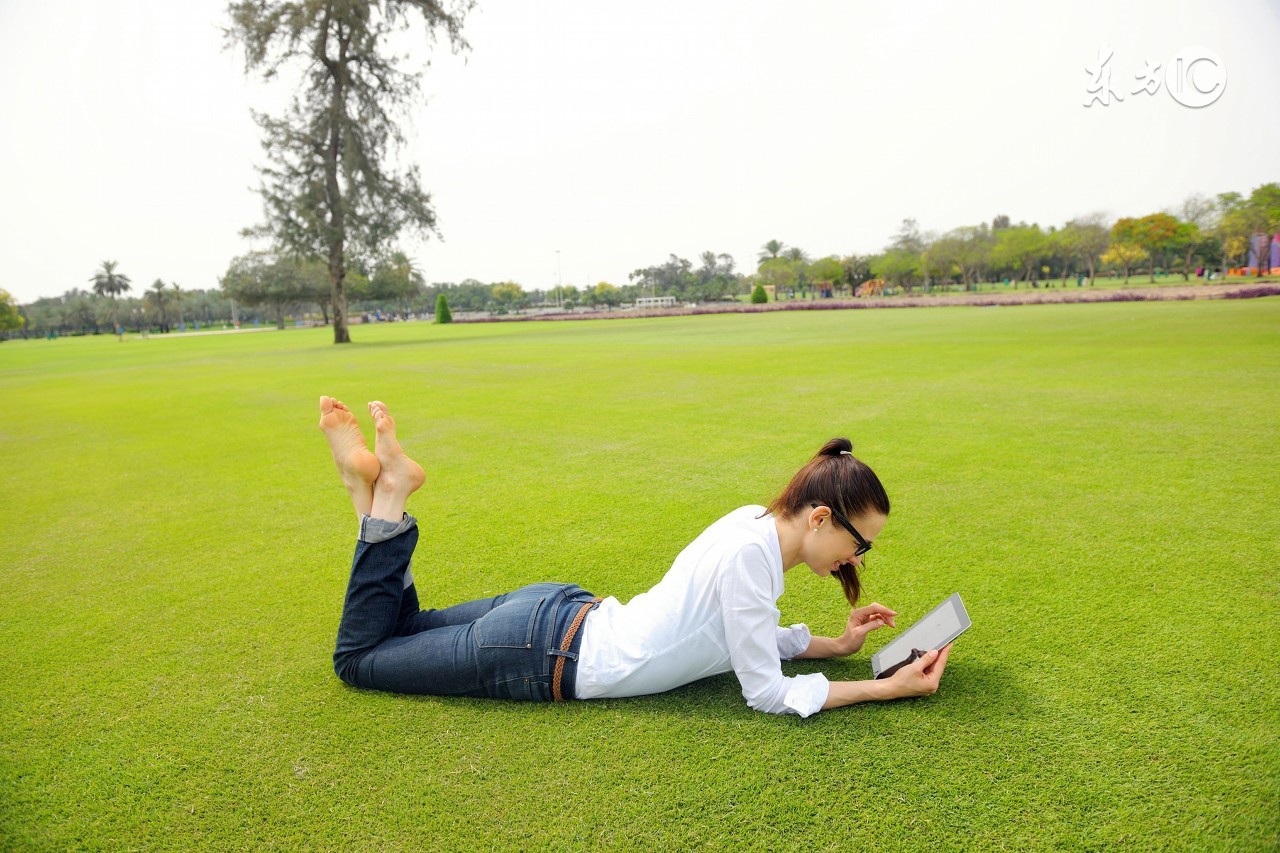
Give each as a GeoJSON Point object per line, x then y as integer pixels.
{"type": "Point", "coordinates": [874, 287]}
{"type": "Point", "coordinates": [1264, 257]}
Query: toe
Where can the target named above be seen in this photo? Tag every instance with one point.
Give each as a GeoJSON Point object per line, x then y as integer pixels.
{"type": "Point", "coordinates": [326, 405]}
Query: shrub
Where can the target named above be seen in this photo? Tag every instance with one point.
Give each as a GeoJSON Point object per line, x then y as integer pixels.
{"type": "Point", "coordinates": [1251, 292]}
{"type": "Point", "coordinates": [442, 310]}
{"type": "Point", "coordinates": [758, 295]}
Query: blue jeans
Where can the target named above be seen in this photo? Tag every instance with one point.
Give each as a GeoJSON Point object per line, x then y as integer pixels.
{"type": "Point", "coordinates": [503, 647]}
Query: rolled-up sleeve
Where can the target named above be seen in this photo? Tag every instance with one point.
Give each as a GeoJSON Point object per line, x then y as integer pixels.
{"type": "Point", "coordinates": [755, 643]}
{"type": "Point", "coordinates": [793, 641]}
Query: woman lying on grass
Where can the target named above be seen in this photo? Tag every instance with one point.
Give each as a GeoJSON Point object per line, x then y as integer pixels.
{"type": "Point", "coordinates": [714, 611]}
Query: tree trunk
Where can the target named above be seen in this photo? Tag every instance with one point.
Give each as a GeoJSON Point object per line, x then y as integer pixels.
{"type": "Point", "coordinates": [337, 234]}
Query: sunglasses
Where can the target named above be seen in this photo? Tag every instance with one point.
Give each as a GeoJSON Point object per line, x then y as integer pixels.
{"type": "Point", "coordinates": [863, 545]}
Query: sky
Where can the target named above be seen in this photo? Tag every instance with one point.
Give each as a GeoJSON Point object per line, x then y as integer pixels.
{"type": "Point", "coordinates": [580, 141]}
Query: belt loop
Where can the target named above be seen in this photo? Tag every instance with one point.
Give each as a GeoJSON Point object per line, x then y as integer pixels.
{"type": "Point", "coordinates": [566, 643]}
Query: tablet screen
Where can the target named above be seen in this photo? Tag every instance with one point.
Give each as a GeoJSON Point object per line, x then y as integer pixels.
{"type": "Point", "coordinates": [939, 626]}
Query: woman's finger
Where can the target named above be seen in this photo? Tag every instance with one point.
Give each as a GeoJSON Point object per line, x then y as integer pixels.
{"type": "Point", "coordinates": [939, 662]}
{"type": "Point", "coordinates": [925, 660]}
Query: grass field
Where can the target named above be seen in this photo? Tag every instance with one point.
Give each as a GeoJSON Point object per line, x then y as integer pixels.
{"type": "Point", "coordinates": [1100, 482]}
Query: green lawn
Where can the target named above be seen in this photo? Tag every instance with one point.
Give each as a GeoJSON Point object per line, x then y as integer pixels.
{"type": "Point", "coordinates": [1100, 482]}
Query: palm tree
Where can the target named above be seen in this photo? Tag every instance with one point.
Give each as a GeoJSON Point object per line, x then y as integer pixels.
{"type": "Point", "coordinates": [770, 250]}
{"type": "Point", "coordinates": [108, 282]}
{"type": "Point", "coordinates": [157, 295]}
{"type": "Point", "coordinates": [407, 277]}
{"type": "Point", "coordinates": [177, 297]}
{"type": "Point", "coordinates": [795, 253]}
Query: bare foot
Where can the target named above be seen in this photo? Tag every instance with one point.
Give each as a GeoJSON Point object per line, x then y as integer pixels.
{"type": "Point", "coordinates": [400, 475]}
{"type": "Point", "coordinates": [358, 466]}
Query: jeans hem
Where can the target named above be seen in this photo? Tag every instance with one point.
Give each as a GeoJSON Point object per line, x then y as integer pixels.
{"type": "Point", "coordinates": [375, 530]}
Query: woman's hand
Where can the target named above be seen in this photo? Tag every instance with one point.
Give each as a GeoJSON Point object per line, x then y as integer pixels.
{"type": "Point", "coordinates": [920, 677]}
{"type": "Point", "coordinates": [863, 621]}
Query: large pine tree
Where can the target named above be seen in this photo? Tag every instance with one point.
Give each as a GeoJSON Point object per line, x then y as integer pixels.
{"type": "Point", "coordinates": [331, 190]}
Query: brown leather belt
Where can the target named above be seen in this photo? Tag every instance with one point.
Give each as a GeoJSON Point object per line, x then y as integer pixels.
{"type": "Point", "coordinates": [564, 646]}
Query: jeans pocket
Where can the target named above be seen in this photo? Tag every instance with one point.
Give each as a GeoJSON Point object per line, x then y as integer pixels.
{"type": "Point", "coordinates": [509, 626]}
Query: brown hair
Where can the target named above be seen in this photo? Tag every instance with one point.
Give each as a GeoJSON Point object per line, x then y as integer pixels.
{"type": "Point", "coordinates": [837, 479]}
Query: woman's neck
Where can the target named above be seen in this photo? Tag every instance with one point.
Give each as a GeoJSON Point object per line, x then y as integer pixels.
{"type": "Point", "coordinates": [790, 536]}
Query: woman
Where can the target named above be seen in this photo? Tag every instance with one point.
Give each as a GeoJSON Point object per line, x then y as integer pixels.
{"type": "Point", "coordinates": [714, 611]}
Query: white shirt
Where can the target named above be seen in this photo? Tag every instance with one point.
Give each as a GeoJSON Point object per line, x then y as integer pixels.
{"type": "Point", "coordinates": [715, 610]}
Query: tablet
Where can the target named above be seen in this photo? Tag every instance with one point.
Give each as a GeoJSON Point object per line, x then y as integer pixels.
{"type": "Point", "coordinates": [939, 626]}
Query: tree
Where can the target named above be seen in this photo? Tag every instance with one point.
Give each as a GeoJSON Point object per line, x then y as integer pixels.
{"type": "Point", "coordinates": [856, 269]}
{"type": "Point", "coordinates": [673, 278]}
{"type": "Point", "coordinates": [898, 266]}
{"type": "Point", "coordinates": [1198, 210]}
{"type": "Point", "coordinates": [1086, 238]}
{"type": "Point", "coordinates": [781, 273]}
{"type": "Point", "coordinates": [758, 295]}
{"type": "Point", "coordinates": [1020, 249]}
{"type": "Point", "coordinates": [1265, 203]}
{"type": "Point", "coordinates": [317, 289]}
{"type": "Point", "coordinates": [508, 295]}
{"type": "Point", "coordinates": [714, 279]}
{"type": "Point", "coordinates": [80, 310]}
{"type": "Point", "coordinates": [10, 319]}
{"type": "Point", "coordinates": [1156, 233]}
{"type": "Point", "coordinates": [604, 293]}
{"type": "Point", "coordinates": [332, 189]}
{"type": "Point", "coordinates": [158, 296]}
{"type": "Point", "coordinates": [1234, 249]}
{"type": "Point", "coordinates": [443, 315]}
{"type": "Point", "coordinates": [900, 263]}
{"type": "Point", "coordinates": [825, 270]}
{"type": "Point", "coordinates": [937, 262]}
{"type": "Point", "coordinates": [1124, 255]}
{"type": "Point", "coordinates": [771, 249]}
{"type": "Point", "coordinates": [108, 282]}
{"type": "Point", "coordinates": [259, 278]}
{"type": "Point", "coordinates": [965, 250]}
{"type": "Point", "coordinates": [973, 252]}
{"type": "Point", "coordinates": [396, 279]}
{"type": "Point", "coordinates": [177, 301]}
{"type": "Point", "coordinates": [1188, 241]}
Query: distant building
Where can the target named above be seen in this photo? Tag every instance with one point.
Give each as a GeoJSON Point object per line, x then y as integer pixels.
{"type": "Point", "coordinates": [656, 302]}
